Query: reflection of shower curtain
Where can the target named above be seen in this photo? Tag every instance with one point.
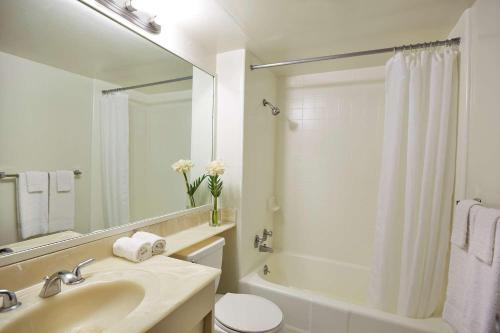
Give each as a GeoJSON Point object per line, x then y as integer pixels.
{"type": "Point", "coordinates": [416, 183]}
{"type": "Point", "coordinates": [115, 158]}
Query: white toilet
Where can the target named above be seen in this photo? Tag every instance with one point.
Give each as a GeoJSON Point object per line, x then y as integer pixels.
{"type": "Point", "coordinates": [234, 313]}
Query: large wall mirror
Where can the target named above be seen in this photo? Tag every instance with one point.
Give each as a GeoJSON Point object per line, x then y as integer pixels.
{"type": "Point", "coordinates": [76, 155]}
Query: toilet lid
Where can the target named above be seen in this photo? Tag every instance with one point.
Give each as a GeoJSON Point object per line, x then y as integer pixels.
{"type": "Point", "coordinates": [247, 313]}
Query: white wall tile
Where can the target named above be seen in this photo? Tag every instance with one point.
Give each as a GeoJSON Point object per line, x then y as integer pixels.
{"type": "Point", "coordinates": [328, 155]}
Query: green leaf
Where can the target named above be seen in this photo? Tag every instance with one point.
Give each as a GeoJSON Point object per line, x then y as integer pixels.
{"type": "Point", "coordinates": [215, 185]}
{"type": "Point", "coordinates": [196, 183]}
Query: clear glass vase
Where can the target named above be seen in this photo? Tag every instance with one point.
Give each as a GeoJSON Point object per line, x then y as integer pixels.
{"type": "Point", "coordinates": [215, 214]}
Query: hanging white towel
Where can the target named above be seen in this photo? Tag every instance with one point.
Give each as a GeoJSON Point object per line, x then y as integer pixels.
{"type": "Point", "coordinates": [473, 294]}
{"type": "Point", "coordinates": [461, 222]}
{"type": "Point", "coordinates": [133, 249]}
{"type": "Point", "coordinates": [482, 234]}
{"type": "Point", "coordinates": [61, 202]}
{"type": "Point", "coordinates": [157, 243]}
{"type": "Point", "coordinates": [36, 181]}
{"type": "Point", "coordinates": [33, 203]}
{"type": "Point", "coordinates": [65, 180]}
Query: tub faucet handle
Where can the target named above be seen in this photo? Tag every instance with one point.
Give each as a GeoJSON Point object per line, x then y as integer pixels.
{"type": "Point", "coordinates": [257, 241]}
{"type": "Point", "coordinates": [266, 233]}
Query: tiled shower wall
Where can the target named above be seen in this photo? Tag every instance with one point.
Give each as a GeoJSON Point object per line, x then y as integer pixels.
{"type": "Point", "coordinates": [327, 163]}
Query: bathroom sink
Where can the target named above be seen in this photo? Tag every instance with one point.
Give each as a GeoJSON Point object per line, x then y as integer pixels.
{"type": "Point", "coordinates": [87, 308]}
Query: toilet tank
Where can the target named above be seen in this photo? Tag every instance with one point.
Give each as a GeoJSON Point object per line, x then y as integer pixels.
{"type": "Point", "coordinates": [207, 253]}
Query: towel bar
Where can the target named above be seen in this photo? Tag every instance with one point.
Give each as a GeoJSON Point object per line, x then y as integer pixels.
{"type": "Point", "coordinates": [475, 199]}
{"type": "Point", "coordinates": [4, 175]}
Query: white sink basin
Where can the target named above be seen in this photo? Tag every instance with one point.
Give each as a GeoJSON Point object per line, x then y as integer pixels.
{"type": "Point", "coordinates": [88, 308]}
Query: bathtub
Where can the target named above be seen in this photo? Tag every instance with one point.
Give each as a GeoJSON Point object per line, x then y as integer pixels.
{"type": "Point", "coordinates": [323, 296]}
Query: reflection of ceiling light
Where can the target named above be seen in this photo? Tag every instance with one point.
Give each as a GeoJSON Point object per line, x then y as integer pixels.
{"type": "Point", "coordinates": [128, 11]}
{"type": "Point", "coordinates": [172, 11]}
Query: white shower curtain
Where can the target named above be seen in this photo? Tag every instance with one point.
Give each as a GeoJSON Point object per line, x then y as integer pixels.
{"type": "Point", "coordinates": [115, 158]}
{"type": "Point", "coordinates": [416, 183]}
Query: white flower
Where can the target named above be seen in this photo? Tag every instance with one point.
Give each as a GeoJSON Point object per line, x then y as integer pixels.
{"type": "Point", "coordinates": [215, 168]}
{"type": "Point", "coordinates": [182, 166]}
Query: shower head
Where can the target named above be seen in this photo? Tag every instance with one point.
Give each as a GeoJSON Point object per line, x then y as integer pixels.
{"type": "Point", "coordinates": [274, 109]}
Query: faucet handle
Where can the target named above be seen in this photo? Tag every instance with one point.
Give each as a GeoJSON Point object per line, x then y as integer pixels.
{"type": "Point", "coordinates": [77, 270]}
{"type": "Point", "coordinates": [266, 233]}
{"type": "Point", "coordinates": [10, 301]}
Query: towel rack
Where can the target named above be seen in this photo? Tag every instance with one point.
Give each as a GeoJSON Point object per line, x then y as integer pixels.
{"type": "Point", "coordinates": [4, 175]}
{"type": "Point", "coordinates": [475, 199]}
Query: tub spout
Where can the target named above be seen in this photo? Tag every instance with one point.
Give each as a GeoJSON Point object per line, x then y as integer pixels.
{"type": "Point", "coordinates": [265, 248]}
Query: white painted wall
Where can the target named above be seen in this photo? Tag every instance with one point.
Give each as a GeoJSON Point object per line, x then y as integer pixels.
{"type": "Point", "coordinates": [229, 148]}
{"type": "Point", "coordinates": [229, 124]}
{"type": "Point", "coordinates": [258, 162]}
{"type": "Point", "coordinates": [328, 157]}
{"type": "Point", "coordinates": [40, 105]}
{"type": "Point", "coordinates": [246, 144]}
{"type": "Point", "coordinates": [483, 161]}
{"type": "Point", "coordinates": [479, 104]}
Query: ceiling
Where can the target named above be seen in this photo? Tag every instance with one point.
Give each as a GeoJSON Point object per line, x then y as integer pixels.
{"type": "Point", "coordinates": [279, 30]}
{"type": "Point", "coordinates": [276, 30]}
{"type": "Point", "coordinates": [70, 36]}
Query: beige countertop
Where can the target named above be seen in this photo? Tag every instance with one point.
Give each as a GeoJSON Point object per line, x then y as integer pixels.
{"type": "Point", "coordinates": [184, 239]}
{"type": "Point", "coordinates": [166, 283]}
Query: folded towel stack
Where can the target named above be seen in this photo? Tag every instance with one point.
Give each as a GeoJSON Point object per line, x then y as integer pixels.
{"type": "Point", "coordinates": [157, 243]}
{"type": "Point", "coordinates": [133, 249]}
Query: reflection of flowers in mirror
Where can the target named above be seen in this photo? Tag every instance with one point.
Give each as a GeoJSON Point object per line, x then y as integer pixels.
{"type": "Point", "coordinates": [182, 166]}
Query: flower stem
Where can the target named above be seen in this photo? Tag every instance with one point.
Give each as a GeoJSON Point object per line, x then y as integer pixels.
{"type": "Point", "coordinates": [191, 198]}
{"type": "Point", "coordinates": [215, 214]}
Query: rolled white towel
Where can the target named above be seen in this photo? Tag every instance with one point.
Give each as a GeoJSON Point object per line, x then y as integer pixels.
{"type": "Point", "coordinates": [132, 249]}
{"type": "Point", "coordinates": [157, 243]}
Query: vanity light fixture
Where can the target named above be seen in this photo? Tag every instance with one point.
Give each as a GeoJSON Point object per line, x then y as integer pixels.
{"type": "Point", "coordinates": [125, 9]}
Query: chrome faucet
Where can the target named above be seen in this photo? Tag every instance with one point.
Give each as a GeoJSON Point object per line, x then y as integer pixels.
{"type": "Point", "coordinates": [258, 240]}
{"type": "Point", "coordinates": [265, 248]}
{"type": "Point", "coordinates": [266, 233]}
{"type": "Point", "coordinates": [9, 300]}
{"type": "Point", "coordinates": [77, 270]}
{"type": "Point", "coordinates": [52, 285]}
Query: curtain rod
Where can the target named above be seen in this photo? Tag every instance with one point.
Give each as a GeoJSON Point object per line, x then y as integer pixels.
{"type": "Point", "coordinates": [448, 42]}
{"type": "Point", "coordinates": [185, 78]}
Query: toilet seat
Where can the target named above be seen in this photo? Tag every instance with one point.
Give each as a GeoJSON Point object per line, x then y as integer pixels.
{"type": "Point", "coordinates": [243, 313]}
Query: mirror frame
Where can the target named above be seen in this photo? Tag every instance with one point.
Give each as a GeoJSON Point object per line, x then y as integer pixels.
{"type": "Point", "coordinates": [37, 251]}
